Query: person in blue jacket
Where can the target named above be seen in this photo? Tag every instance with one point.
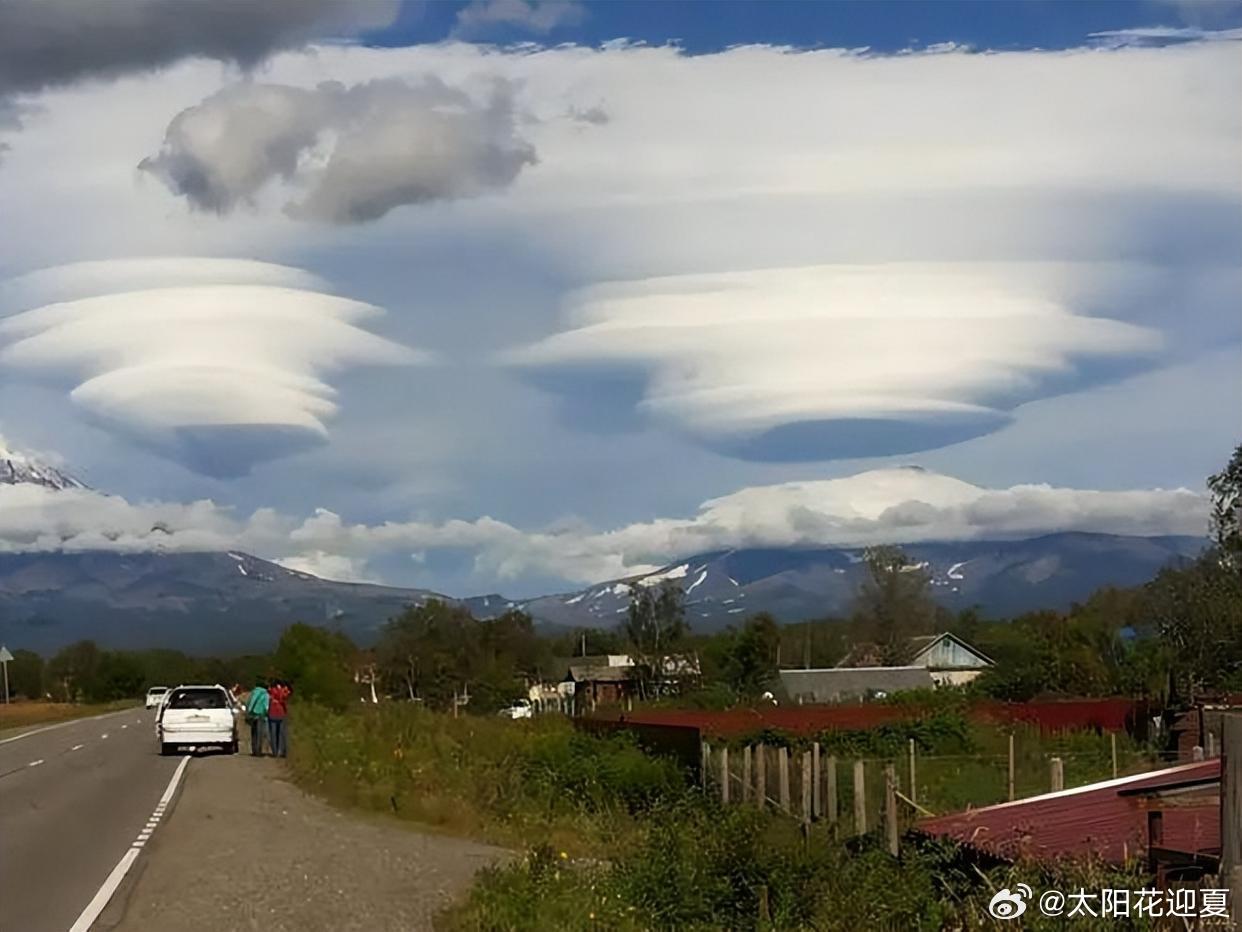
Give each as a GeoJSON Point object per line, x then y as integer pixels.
{"type": "Point", "coordinates": [256, 716]}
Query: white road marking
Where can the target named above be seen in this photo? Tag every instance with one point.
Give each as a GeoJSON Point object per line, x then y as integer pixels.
{"type": "Point", "coordinates": [72, 721]}
{"type": "Point", "coordinates": [77, 747]}
{"type": "Point", "coordinates": [35, 763]}
{"type": "Point", "coordinates": [103, 737]}
{"type": "Point", "coordinates": [101, 898]}
{"type": "Point", "coordinates": [124, 726]}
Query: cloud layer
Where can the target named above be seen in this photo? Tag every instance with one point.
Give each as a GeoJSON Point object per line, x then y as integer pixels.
{"type": "Point", "coordinates": [219, 372]}
{"type": "Point", "coordinates": [356, 152]}
{"type": "Point", "coordinates": [838, 361]}
{"type": "Point", "coordinates": [537, 16]}
{"type": "Point", "coordinates": [49, 43]}
{"type": "Point", "coordinates": [905, 505]}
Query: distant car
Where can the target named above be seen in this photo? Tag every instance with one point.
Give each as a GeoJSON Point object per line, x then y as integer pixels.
{"type": "Point", "coordinates": [520, 709]}
{"type": "Point", "coordinates": [197, 716]}
{"type": "Point", "coordinates": [154, 695]}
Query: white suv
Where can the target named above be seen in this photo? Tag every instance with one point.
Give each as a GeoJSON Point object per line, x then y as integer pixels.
{"type": "Point", "coordinates": [197, 716]}
{"type": "Point", "coordinates": [154, 695]}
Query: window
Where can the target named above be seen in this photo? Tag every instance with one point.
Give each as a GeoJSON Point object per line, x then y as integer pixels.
{"type": "Point", "coordinates": [198, 699]}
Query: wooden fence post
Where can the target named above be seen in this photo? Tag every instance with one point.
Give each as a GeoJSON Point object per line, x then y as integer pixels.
{"type": "Point", "coordinates": [782, 769]}
{"type": "Point", "coordinates": [860, 798]}
{"type": "Point", "coordinates": [1057, 774]}
{"type": "Point", "coordinates": [890, 809]}
{"type": "Point", "coordinates": [806, 787]}
{"type": "Point", "coordinates": [746, 784]}
{"type": "Point", "coordinates": [761, 776]}
{"type": "Point", "coordinates": [724, 775]}
{"type": "Point", "coordinates": [1113, 736]}
{"type": "Point", "coordinates": [1196, 753]}
{"type": "Point", "coordinates": [833, 807]}
{"type": "Point", "coordinates": [1011, 796]}
{"type": "Point", "coordinates": [817, 799]}
{"type": "Point", "coordinates": [705, 762]}
{"type": "Point", "coordinates": [914, 787]}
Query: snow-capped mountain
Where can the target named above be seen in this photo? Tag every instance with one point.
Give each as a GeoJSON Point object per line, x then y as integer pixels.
{"type": "Point", "coordinates": [1003, 578]}
{"type": "Point", "coordinates": [17, 468]}
{"type": "Point", "coordinates": [210, 603]}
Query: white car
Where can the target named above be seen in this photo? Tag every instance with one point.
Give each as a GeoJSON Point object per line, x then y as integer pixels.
{"type": "Point", "coordinates": [154, 695]}
{"type": "Point", "coordinates": [197, 716]}
{"type": "Point", "coordinates": [520, 709]}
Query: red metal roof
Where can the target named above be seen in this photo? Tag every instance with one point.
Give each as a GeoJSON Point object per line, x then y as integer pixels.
{"type": "Point", "coordinates": [1094, 819]}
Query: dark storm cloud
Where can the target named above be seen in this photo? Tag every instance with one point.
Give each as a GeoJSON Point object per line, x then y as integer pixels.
{"type": "Point", "coordinates": [52, 43]}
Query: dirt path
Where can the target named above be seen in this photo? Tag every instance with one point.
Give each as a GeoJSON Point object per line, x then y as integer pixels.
{"type": "Point", "coordinates": [245, 850]}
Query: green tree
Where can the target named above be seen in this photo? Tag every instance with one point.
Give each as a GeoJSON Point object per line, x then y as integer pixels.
{"type": "Point", "coordinates": [26, 674]}
{"type": "Point", "coordinates": [432, 652]}
{"type": "Point", "coordinates": [73, 670]}
{"type": "Point", "coordinates": [750, 665]}
{"type": "Point", "coordinates": [319, 664]}
{"type": "Point", "coordinates": [1226, 489]}
{"type": "Point", "coordinates": [655, 631]}
{"type": "Point", "coordinates": [893, 604]}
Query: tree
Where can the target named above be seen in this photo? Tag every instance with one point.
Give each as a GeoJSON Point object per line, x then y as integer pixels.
{"type": "Point", "coordinates": [655, 631]}
{"type": "Point", "coordinates": [72, 672]}
{"type": "Point", "coordinates": [319, 664]}
{"type": "Point", "coordinates": [26, 674]}
{"type": "Point", "coordinates": [1226, 489]}
{"type": "Point", "coordinates": [750, 664]}
{"type": "Point", "coordinates": [893, 604]}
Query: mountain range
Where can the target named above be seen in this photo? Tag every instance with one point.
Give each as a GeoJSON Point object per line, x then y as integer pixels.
{"type": "Point", "coordinates": [230, 602]}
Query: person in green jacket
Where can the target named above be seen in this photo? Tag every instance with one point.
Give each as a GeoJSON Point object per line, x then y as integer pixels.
{"type": "Point", "coordinates": [256, 716]}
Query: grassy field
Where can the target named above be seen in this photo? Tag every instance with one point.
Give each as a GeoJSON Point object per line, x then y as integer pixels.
{"type": "Point", "coordinates": [18, 715]}
{"type": "Point", "coordinates": [615, 839]}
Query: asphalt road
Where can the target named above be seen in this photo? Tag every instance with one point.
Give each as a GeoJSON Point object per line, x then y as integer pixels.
{"type": "Point", "coordinates": [73, 799]}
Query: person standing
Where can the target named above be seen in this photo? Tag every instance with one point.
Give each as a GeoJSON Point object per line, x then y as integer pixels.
{"type": "Point", "coordinates": [277, 715]}
{"type": "Point", "coordinates": [256, 716]}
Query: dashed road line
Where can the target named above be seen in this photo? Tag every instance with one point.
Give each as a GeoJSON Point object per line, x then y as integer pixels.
{"type": "Point", "coordinates": [103, 737]}
{"type": "Point", "coordinates": [35, 763]}
{"type": "Point", "coordinates": [101, 898]}
{"type": "Point", "coordinates": [77, 747]}
{"type": "Point", "coordinates": [41, 730]}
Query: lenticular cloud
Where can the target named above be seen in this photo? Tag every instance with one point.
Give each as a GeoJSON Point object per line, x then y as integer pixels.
{"type": "Point", "coordinates": [223, 370]}
{"type": "Point", "coordinates": [845, 360]}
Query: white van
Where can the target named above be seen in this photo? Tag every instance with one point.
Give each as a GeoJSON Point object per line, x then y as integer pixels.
{"type": "Point", "coordinates": [197, 716]}
{"type": "Point", "coordinates": [154, 695]}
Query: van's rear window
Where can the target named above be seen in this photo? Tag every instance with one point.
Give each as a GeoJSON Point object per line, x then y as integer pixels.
{"type": "Point", "coordinates": [198, 699]}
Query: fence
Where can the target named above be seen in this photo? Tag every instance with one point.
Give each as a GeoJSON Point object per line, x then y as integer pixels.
{"type": "Point", "coordinates": [856, 795]}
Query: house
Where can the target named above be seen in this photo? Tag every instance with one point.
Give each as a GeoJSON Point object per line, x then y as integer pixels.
{"type": "Point", "coordinates": [951, 661]}
{"type": "Point", "coordinates": [935, 660]}
{"type": "Point", "coordinates": [611, 679]}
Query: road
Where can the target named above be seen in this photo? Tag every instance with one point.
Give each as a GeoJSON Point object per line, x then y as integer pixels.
{"type": "Point", "coordinates": [74, 797]}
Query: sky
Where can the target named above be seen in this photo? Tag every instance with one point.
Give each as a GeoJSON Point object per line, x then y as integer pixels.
{"type": "Point", "coordinates": [516, 296]}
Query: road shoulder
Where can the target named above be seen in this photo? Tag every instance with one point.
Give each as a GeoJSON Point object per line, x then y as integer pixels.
{"type": "Point", "coordinates": [245, 849]}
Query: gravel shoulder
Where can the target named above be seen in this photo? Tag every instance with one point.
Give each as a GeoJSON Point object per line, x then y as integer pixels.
{"type": "Point", "coordinates": [245, 849]}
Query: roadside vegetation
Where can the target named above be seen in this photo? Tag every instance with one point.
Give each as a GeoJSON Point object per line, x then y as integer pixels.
{"type": "Point", "coordinates": [23, 713]}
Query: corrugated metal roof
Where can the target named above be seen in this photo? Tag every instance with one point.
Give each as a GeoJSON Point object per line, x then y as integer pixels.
{"type": "Point", "coordinates": [1096, 819]}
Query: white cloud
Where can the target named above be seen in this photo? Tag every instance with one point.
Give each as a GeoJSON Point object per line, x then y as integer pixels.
{"type": "Point", "coordinates": [356, 152]}
{"type": "Point", "coordinates": [733, 357]}
{"type": "Point", "coordinates": [897, 505]}
{"type": "Point", "coordinates": [537, 16]}
{"type": "Point", "coordinates": [218, 374]}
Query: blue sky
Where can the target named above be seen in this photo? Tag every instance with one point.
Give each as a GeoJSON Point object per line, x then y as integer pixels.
{"type": "Point", "coordinates": [883, 25]}
{"type": "Point", "coordinates": [473, 297]}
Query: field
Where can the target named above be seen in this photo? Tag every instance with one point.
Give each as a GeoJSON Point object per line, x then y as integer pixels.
{"type": "Point", "coordinates": [17, 715]}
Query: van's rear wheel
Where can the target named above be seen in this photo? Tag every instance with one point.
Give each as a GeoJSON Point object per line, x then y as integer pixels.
{"type": "Point", "coordinates": [167, 749]}
{"type": "Point", "coordinates": [233, 745]}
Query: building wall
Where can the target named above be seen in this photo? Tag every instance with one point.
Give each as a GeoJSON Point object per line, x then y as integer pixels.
{"type": "Point", "coordinates": [954, 677]}
{"type": "Point", "coordinates": [947, 653]}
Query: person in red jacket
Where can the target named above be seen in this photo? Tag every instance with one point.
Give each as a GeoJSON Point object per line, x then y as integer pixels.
{"type": "Point", "coordinates": [277, 715]}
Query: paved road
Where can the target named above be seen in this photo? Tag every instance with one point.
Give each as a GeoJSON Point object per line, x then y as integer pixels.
{"type": "Point", "coordinates": [73, 799]}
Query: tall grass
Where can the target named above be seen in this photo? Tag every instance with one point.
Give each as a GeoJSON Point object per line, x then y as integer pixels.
{"type": "Point", "coordinates": [508, 781]}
